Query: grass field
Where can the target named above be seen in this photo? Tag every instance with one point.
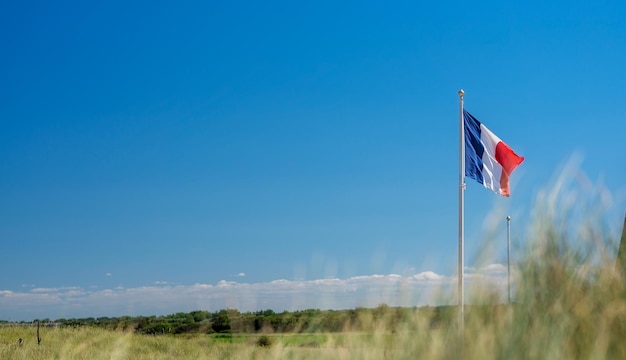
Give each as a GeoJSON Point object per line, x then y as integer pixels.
{"type": "Point", "coordinates": [580, 328]}
{"type": "Point", "coordinates": [93, 343]}
{"type": "Point", "coordinates": [570, 303]}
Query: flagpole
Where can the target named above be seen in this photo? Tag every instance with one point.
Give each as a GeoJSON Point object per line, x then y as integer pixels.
{"type": "Point", "coordinates": [508, 255]}
{"type": "Point", "coordinates": [461, 213]}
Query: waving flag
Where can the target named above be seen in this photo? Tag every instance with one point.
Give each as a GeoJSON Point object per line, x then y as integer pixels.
{"type": "Point", "coordinates": [488, 160]}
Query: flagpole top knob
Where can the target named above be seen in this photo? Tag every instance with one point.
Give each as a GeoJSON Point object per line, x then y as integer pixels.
{"type": "Point", "coordinates": [508, 218]}
{"type": "Point", "coordinates": [461, 93]}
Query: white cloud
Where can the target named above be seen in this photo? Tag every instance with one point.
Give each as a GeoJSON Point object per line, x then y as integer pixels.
{"type": "Point", "coordinates": [54, 290]}
{"type": "Point", "coordinates": [44, 290]}
{"type": "Point", "coordinates": [426, 288]}
{"type": "Point", "coordinates": [428, 275]}
{"type": "Point", "coordinates": [241, 274]}
{"type": "Point", "coordinates": [494, 269]}
{"type": "Point", "coordinates": [108, 274]}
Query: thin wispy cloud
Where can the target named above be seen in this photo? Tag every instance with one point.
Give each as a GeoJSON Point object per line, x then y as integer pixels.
{"type": "Point", "coordinates": [425, 288]}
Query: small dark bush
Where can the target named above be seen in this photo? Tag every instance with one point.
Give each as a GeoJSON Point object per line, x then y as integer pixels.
{"type": "Point", "coordinates": [264, 341]}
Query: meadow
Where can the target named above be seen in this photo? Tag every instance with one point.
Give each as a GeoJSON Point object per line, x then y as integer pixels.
{"type": "Point", "coordinates": [569, 303]}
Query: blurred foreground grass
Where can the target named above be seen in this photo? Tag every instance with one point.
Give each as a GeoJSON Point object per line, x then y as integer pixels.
{"type": "Point", "coordinates": [569, 303]}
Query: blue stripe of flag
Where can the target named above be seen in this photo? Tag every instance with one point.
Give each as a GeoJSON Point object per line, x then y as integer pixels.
{"type": "Point", "coordinates": [474, 148]}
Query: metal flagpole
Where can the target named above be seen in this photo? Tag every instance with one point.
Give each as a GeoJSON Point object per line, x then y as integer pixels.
{"type": "Point", "coordinates": [461, 213]}
{"type": "Point", "coordinates": [508, 255]}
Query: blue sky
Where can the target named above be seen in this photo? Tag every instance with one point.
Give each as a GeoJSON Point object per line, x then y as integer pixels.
{"type": "Point", "coordinates": [148, 145]}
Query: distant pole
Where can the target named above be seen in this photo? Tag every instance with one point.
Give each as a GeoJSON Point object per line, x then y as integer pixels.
{"type": "Point", "coordinates": [461, 213]}
{"type": "Point", "coordinates": [620, 262]}
{"type": "Point", "coordinates": [508, 255]}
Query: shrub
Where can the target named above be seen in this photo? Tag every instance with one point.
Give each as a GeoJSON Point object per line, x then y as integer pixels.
{"type": "Point", "coordinates": [264, 341]}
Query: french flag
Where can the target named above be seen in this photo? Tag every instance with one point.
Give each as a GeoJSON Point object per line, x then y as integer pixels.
{"type": "Point", "coordinates": [488, 160]}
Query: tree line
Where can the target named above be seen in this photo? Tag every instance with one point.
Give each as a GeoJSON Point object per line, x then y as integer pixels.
{"type": "Point", "coordinates": [228, 321]}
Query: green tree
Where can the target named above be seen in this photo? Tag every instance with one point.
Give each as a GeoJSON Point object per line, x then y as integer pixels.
{"type": "Point", "coordinates": [220, 322]}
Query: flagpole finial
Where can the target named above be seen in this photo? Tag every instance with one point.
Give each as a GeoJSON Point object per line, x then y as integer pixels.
{"type": "Point", "coordinates": [508, 218]}
{"type": "Point", "coordinates": [461, 93]}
